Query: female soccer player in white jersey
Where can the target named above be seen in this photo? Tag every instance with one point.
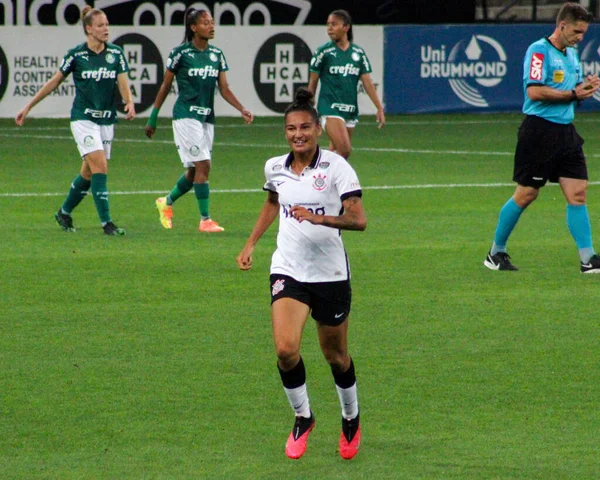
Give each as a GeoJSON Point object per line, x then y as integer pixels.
{"type": "Point", "coordinates": [98, 67]}
{"type": "Point", "coordinates": [340, 64]}
{"type": "Point", "coordinates": [316, 194]}
{"type": "Point", "coordinates": [198, 67]}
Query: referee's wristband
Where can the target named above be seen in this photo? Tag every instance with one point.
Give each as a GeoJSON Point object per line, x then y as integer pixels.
{"type": "Point", "coordinates": [152, 119]}
{"type": "Point", "coordinates": [574, 95]}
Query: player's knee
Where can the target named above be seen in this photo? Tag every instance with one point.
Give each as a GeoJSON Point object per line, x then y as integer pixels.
{"type": "Point", "coordinates": [336, 359]}
{"type": "Point", "coordinates": [287, 354]}
{"type": "Point", "coordinates": [578, 197]}
{"type": "Point", "coordinates": [344, 150]}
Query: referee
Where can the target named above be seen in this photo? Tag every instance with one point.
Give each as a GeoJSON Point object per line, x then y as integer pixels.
{"type": "Point", "coordinates": [548, 146]}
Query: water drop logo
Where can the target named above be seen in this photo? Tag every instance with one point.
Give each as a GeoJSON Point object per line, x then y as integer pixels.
{"type": "Point", "coordinates": [472, 66]}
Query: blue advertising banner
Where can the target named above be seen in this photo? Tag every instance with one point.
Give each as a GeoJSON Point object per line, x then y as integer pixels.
{"type": "Point", "coordinates": [467, 68]}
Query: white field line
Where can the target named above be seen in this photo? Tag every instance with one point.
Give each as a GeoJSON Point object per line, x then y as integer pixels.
{"type": "Point", "coordinates": [267, 145]}
{"type": "Point", "coordinates": [259, 190]}
{"type": "Point", "coordinates": [409, 122]}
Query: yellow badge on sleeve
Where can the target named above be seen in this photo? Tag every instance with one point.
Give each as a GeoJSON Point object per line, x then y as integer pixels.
{"type": "Point", "coordinates": [558, 76]}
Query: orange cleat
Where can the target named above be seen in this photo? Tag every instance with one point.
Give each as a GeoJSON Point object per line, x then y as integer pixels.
{"type": "Point", "coordinates": [298, 439]}
{"type": "Point", "coordinates": [350, 438]}
{"type": "Point", "coordinates": [209, 226]}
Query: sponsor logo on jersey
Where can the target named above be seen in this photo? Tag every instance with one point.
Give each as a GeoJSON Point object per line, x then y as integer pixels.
{"type": "Point", "coordinates": [344, 70]}
{"type": "Point", "coordinates": [280, 67]}
{"type": "Point", "coordinates": [97, 113]}
{"type": "Point", "coordinates": [203, 73]}
{"type": "Point", "coordinates": [536, 66]}
{"type": "Point", "coordinates": [277, 167]}
{"type": "Point", "coordinates": [146, 69]}
{"type": "Point", "coordinates": [3, 73]}
{"type": "Point", "coordinates": [324, 165]}
{"type": "Point", "coordinates": [200, 110]}
{"type": "Point", "coordinates": [102, 73]}
{"type": "Point", "coordinates": [473, 65]}
{"type": "Point", "coordinates": [343, 107]}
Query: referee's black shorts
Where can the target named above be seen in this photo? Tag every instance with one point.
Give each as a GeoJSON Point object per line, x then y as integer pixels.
{"type": "Point", "coordinates": [547, 151]}
{"type": "Point", "coordinates": [329, 301]}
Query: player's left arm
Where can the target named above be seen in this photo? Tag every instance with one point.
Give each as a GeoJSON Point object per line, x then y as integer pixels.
{"type": "Point", "coordinates": [365, 78]}
{"type": "Point", "coordinates": [353, 217]}
{"type": "Point", "coordinates": [125, 91]}
{"type": "Point", "coordinates": [230, 98]}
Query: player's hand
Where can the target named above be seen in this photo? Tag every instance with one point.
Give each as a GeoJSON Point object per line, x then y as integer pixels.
{"type": "Point", "coordinates": [380, 117]}
{"type": "Point", "coordinates": [301, 214]}
{"type": "Point", "coordinates": [130, 111]}
{"type": "Point", "coordinates": [244, 259]}
{"type": "Point", "coordinates": [149, 131]}
{"type": "Point", "coordinates": [20, 118]}
{"type": "Point", "coordinates": [247, 115]}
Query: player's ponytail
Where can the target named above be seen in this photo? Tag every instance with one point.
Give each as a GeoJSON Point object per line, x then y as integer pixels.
{"type": "Point", "coordinates": [303, 102]}
{"type": "Point", "coordinates": [345, 17]}
{"type": "Point", "coordinates": [190, 17]}
{"type": "Point", "coordinates": [87, 16]}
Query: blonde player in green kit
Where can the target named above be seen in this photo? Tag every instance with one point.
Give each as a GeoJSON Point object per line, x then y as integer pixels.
{"type": "Point", "coordinates": [198, 67]}
{"type": "Point", "coordinates": [98, 68]}
{"type": "Point", "coordinates": [340, 64]}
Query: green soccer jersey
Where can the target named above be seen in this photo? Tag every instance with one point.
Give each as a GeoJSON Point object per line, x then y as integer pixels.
{"type": "Point", "coordinates": [95, 78]}
{"type": "Point", "coordinates": [339, 72]}
{"type": "Point", "coordinates": [197, 72]}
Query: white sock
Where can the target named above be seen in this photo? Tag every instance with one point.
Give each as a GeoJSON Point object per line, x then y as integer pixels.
{"type": "Point", "coordinates": [298, 398]}
{"type": "Point", "coordinates": [348, 401]}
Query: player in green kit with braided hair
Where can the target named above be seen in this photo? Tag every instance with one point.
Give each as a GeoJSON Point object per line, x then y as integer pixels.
{"type": "Point", "coordinates": [199, 68]}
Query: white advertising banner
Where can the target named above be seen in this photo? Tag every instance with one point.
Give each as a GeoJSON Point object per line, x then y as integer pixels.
{"type": "Point", "coordinates": [266, 65]}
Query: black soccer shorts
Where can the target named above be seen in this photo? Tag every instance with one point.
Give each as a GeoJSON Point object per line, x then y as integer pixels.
{"type": "Point", "coordinates": [547, 151]}
{"type": "Point", "coordinates": [329, 301]}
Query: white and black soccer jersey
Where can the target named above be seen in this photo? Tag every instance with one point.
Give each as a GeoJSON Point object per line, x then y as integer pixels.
{"type": "Point", "coordinates": [95, 78]}
{"type": "Point", "coordinates": [306, 252]}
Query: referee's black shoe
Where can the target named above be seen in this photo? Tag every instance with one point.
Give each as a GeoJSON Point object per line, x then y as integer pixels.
{"type": "Point", "coordinates": [592, 266]}
{"type": "Point", "coordinates": [501, 261]}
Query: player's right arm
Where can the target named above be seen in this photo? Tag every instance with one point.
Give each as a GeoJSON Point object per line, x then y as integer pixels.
{"type": "Point", "coordinates": [42, 93]}
{"type": "Point", "coordinates": [313, 81]}
{"type": "Point", "coordinates": [163, 91]}
{"type": "Point", "coordinates": [267, 216]}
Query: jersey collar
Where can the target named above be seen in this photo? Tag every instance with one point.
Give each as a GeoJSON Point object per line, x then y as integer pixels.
{"type": "Point", "coordinates": [313, 163]}
{"type": "Point", "coordinates": [563, 52]}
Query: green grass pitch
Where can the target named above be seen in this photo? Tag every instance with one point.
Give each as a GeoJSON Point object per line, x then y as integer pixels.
{"type": "Point", "coordinates": [150, 356]}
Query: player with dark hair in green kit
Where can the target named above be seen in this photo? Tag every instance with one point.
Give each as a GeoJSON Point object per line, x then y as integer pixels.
{"type": "Point", "coordinates": [98, 68]}
{"type": "Point", "coordinates": [340, 64]}
{"type": "Point", "coordinates": [199, 67]}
